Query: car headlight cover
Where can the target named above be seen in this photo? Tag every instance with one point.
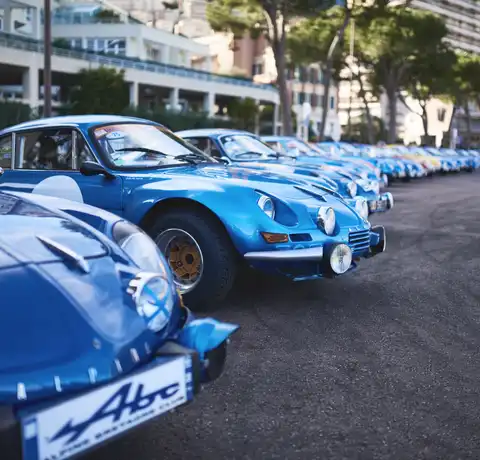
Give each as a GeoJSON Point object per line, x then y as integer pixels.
{"type": "Point", "coordinates": [341, 259]}
{"type": "Point", "coordinates": [361, 206]}
{"type": "Point", "coordinates": [326, 219]}
{"type": "Point", "coordinates": [352, 188]}
{"type": "Point", "coordinates": [266, 205]}
{"type": "Point", "coordinates": [140, 248]}
{"type": "Point", "coordinates": [154, 299]}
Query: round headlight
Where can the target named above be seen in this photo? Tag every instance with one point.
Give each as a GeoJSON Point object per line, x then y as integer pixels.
{"type": "Point", "coordinates": [361, 206]}
{"type": "Point", "coordinates": [326, 219]}
{"type": "Point", "coordinates": [352, 189]}
{"type": "Point", "coordinates": [266, 205]}
{"type": "Point", "coordinates": [140, 248]}
{"type": "Point", "coordinates": [154, 299]}
{"type": "Point", "coordinates": [341, 259]}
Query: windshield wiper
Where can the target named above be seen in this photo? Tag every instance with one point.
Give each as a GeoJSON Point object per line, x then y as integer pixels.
{"type": "Point", "coordinates": [189, 158]}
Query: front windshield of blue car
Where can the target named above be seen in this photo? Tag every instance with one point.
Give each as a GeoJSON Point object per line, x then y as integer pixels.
{"type": "Point", "coordinates": [296, 147]}
{"type": "Point", "coordinates": [141, 145]}
{"type": "Point", "coordinates": [245, 147]}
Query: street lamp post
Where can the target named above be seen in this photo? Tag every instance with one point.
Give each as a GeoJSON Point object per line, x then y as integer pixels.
{"type": "Point", "coordinates": [47, 59]}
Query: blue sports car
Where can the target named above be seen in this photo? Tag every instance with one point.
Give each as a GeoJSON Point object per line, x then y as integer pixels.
{"type": "Point", "coordinates": [206, 217]}
{"type": "Point", "coordinates": [95, 337]}
{"type": "Point", "coordinates": [242, 147]}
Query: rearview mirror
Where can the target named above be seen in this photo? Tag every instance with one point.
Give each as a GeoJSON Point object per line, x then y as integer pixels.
{"type": "Point", "coordinates": [90, 168]}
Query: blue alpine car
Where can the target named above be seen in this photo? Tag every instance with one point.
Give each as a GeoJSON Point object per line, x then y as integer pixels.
{"type": "Point", "coordinates": [95, 338]}
{"type": "Point", "coordinates": [242, 147]}
{"type": "Point", "coordinates": [207, 218]}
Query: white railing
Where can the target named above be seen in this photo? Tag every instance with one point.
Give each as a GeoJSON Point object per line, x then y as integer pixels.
{"type": "Point", "coordinates": [21, 43]}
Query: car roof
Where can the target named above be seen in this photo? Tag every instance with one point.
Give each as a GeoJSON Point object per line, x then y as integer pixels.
{"type": "Point", "coordinates": [210, 132]}
{"type": "Point", "coordinates": [79, 121]}
{"type": "Point", "coordinates": [277, 138]}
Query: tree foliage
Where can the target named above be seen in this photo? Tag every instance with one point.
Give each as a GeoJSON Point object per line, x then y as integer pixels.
{"type": "Point", "coordinates": [101, 90]}
{"type": "Point", "coordinates": [271, 19]}
{"type": "Point", "coordinates": [244, 113]}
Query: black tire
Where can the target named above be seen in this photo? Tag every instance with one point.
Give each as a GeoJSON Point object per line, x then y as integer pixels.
{"type": "Point", "coordinates": [220, 259]}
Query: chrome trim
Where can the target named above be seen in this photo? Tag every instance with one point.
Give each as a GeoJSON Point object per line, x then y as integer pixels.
{"type": "Point", "coordinates": [148, 350]}
{"type": "Point", "coordinates": [66, 253]}
{"type": "Point", "coordinates": [74, 151]}
{"type": "Point", "coordinates": [92, 374]}
{"type": "Point", "coordinates": [288, 254]}
{"type": "Point", "coordinates": [58, 383]}
{"type": "Point", "coordinates": [14, 148]}
{"type": "Point", "coordinates": [21, 391]}
{"type": "Point", "coordinates": [118, 365]}
{"type": "Point", "coordinates": [134, 355]}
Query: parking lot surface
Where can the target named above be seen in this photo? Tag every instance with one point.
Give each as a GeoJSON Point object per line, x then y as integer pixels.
{"type": "Point", "coordinates": [381, 363]}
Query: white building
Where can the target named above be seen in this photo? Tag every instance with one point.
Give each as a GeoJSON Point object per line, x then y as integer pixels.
{"type": "Point", "coordinates": [160, 67]}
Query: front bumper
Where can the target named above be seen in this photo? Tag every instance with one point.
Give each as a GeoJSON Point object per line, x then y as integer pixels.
{"type": "Point", "coordinates": [315, 262]}
{"type": "Point", "coordinates": [72, 424]}
{"type": "Point", "coordinates": [384, 203]}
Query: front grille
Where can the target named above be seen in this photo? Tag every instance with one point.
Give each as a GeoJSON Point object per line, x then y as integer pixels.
{"type": "Point", "coordinates": [359, 241]}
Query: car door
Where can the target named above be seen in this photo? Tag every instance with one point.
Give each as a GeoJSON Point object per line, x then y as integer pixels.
{"type": "Point", "coordinates": [47, 162]}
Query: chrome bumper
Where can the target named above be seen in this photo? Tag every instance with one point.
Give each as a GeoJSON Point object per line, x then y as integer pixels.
{"type": "Point", "coordinates": [382, 204]}
{"type": "Point", "coordinates": [288, 254]}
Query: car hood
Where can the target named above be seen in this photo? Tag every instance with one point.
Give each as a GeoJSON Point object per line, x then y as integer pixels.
{"type": "Point", "coordinates": [209, 175]}
{"type": "Point", "coordinates": [35, 234]}
{"type": "Point", "coordinates": [320, 177]}
{"type": "Point", "coordinates": [67, 326]}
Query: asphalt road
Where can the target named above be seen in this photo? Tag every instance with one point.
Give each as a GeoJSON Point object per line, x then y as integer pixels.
{"type": "Point", "coordinates": [381, 363]}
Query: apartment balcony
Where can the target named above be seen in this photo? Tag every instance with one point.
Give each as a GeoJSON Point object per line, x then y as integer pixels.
{"type": "Point", "coordinates": [144, 72]}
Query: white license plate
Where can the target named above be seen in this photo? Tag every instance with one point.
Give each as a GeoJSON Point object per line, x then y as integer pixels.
{"type": "Point", "coordinates": [80, 423]}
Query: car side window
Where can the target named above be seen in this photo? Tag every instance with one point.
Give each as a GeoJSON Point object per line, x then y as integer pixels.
{"type": "Point", "coordinates": [202, 143]}
{"type": "Point", "coordinates": [55, 149]}
{"type": "Point", "coordinates": [214, 150]}
{"type": "Point", "coordinates": [6, 152]}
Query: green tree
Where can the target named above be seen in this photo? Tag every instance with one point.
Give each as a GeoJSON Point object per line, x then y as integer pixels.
{"type": "Point", "coordinates": [271, 19]}
{"type": "Point", "coordinates": [107, 16]}
{"type": "Point", "coordinates": [431, 75]}
{"type": "Point", "coordinates": [101, 90]}
{"type": "Point", "coordinates": [320, 39]}
{"type": "Point", "coordinates": [244, 113]}
{"type": "Point", "coordinates": [389, 43]}
{"type": "Point", "coordinates": [465, 87]}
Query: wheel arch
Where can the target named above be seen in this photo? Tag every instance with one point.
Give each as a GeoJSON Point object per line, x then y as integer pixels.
{"type": "Point", "coordinates": [176, 204]}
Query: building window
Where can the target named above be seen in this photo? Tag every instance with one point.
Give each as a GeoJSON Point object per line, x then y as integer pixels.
{"type": "Point", "coordinates": [107, 45]}
{"type": "Point", "coordinates": [332, 102]}
{"type": "Point", "coordinates": [320, 76]}
{"type": "Point", "coordinates": [301, 98]}
{"type": "Point", "coordinates": [314, 100]}
{"type": "Point", "coordinates": [441, 114]}
{"type": "Point", "coordinates": [257, 69]}
{"type": "Point", "coordinates": [76, 43]}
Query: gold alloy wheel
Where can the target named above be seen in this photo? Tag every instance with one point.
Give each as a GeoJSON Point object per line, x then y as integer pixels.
{"type": "Point", "coordinates": [184, 256]}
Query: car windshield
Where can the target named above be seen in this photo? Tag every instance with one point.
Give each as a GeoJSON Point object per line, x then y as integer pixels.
{"type": "Point", "coordinates": [245, 147]}
{"type": "Point", "coordinates": [145, 146]}
{"type": "Point", "coordinates": [295, 147]}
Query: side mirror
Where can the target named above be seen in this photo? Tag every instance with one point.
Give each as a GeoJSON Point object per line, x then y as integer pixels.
{"type": "Point", "coordinates": [224, 160]}
{"type": "Point", "coordinates": [1, 171]}
{"type": "Point", "coordinates": [90, 168]}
